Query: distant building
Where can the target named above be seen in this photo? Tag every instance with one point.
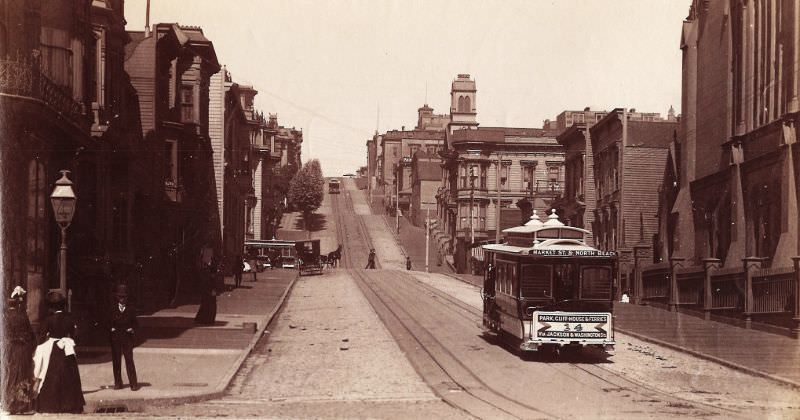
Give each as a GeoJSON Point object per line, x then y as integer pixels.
{"type": "Point", "coordinates": [427, 120]}
{"type": "Point", "coordinates": [518, 163]}
{"type": "Point", "coordinates": [398, 148]}
{"type": "Point", "coordinates": [426, 177]}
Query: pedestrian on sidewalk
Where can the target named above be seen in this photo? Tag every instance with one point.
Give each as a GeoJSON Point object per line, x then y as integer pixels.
{"type": "Point", "coordinates": [207, 312]}
{"type": "Point", "coordinates": [238, 269]}
{"type": "Point", "coordinates": [55, 362]}
{"type": "Point", "coordinates": [17, 364]}
{"type": "Point", "coordinates": [408, 263]}
{"type": "Point", "coordinates": [371, 259]}
{"type": "Point", "coordinates": [123, 337]}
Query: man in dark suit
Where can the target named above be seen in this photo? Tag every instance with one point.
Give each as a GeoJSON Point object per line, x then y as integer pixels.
{"type": "Point", "coordinates": [123, 329]}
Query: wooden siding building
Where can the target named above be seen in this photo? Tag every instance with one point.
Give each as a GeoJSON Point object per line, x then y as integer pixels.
{"type": "Point", "coordinates": [625, 151]}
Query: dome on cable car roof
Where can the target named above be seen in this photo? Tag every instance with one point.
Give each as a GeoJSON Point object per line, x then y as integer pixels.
{"type": "Point", "coordinates": [552, 220]}
{"type": "Point", "coordinates": [534, 221]}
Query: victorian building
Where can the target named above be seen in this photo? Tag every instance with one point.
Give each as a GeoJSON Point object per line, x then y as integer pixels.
{"type": "Point", "coordinates": [236, 132]}
{"type": "Point", "coordinates": [494, 173]}
{"type": "Point", "coordinates": [171, 68]}
{"type": "Point", "coordinates": [280, 151]}
{"type": "Point", "coordinates": [65, 104]}
{"type": "Point", "coordinates": [577, 204]}
{"type": "Point", "coordinates": [625, 149]}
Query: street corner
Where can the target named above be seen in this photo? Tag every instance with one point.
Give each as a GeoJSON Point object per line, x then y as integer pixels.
{"type": "Point", "coordinates": [165, 376]}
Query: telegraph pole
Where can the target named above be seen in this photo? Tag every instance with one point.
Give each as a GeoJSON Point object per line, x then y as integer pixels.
{"type": "Point", "coordinates": [427, 236]}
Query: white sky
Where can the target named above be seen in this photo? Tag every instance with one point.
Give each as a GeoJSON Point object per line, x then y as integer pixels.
{"type": "Point", "coordinates": [326, 66]}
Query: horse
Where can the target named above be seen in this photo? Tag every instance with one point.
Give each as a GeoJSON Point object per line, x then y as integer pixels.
{"type": "Point", "coordinates": [335, 256]}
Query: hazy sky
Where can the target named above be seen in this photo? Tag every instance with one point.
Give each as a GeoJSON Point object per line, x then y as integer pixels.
{"type": "Point", "coordinates": [328, 66]}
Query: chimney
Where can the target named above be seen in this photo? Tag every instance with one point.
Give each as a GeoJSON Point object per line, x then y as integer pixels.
{"type": "Point", "coordinates": [146, 25]}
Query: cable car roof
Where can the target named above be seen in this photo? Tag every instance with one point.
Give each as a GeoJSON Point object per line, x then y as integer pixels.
{"type": "Point", "coordinates": [551, 238]}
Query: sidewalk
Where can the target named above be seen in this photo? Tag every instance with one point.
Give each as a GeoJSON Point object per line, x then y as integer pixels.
{"type": "Point", "coordinates": [178, 361]}
{"type": "Point", "coordinates": [756, 352]}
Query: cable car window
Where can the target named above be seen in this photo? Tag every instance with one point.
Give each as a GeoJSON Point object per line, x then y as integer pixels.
{"type": "Point", "coordinates": [536, 281]}
{"type": "Point", "coordinates": [596, 283]}
{"type": "Point", "coordinates": [566, 283]}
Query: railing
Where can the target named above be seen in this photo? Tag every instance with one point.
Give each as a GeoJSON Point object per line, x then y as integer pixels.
{"type": "Point", "coordinates": [772, 290]}
{"type": "Point", "coordinates": [690, 285]}
{"type": "Point", "coordinates": [727, 288]}
{"type": "Point", "coordinates": [655, 282]}
{"type": "Point", "coordinates": [23, 77]}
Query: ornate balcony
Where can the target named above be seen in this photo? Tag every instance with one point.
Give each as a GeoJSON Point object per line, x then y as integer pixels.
{"type": "Point", "coordinates": [24, 78]}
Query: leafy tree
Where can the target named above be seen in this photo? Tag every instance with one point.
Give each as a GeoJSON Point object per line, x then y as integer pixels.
{"type": "Point", "coordinates": [306, 189]}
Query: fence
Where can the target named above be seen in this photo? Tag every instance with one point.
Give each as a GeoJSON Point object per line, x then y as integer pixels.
{"type": "Point", "coordinates": [747, 289]}
{"type": "Point", "coordinates": [655, 282]}
{"type": "Point", "coordinates": [772, 290]}
{"type": "Point", "coordinates": [727, 288]}
{"type": "Point", "coordinates": [690, 285]}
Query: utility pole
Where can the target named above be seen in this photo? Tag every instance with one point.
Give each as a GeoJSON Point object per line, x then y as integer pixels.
{"type": "Point", "coordinates": [427, 236]}
{"type": "Point", "coordinates": [397, 199]}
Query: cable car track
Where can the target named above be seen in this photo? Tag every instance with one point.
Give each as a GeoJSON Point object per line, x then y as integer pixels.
{"type": "Point", "coordinates": [482, 401]}
{"type": "Point", "coordinates": [438, 354]}
{"type": "Point", "coordinates": [477, 313]}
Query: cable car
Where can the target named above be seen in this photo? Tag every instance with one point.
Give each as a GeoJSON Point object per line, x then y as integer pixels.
{"type": "Point", "coordinates": [546, 289]}
{"type": "Point", "coordinates": [333, 186]}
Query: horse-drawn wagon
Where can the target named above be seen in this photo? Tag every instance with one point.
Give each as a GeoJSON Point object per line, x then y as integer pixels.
{"type": "Point", "coordinates": [308, 253]}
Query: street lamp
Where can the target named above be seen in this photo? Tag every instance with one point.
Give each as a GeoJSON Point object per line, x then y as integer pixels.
{"type": "Point", "coordinates": [63, 201]}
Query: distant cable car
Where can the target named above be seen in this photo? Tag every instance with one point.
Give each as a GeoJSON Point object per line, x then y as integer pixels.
{"type": "Point", "coordinates": [548, 290]}
{"type": "Point", "coordinates": [333, 186]}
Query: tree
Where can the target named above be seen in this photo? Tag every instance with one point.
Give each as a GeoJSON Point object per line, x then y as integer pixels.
{"type": "Point", "coordinates": [306, 189]}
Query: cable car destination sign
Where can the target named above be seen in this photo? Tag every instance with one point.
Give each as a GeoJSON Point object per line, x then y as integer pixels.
{"type": "Point", "coordinates": [571, 253]}
{"type": "Point", "coordinates": [570, 325]}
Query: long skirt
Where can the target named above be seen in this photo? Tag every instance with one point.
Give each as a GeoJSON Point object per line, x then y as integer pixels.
{"type": "Point", "coordinates": [207, 313]}
{"type": "Point", "coordinates": [61, 391]}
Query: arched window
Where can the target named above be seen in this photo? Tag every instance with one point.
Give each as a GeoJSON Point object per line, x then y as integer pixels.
{"type": "Point", "coordinates": [467, 105]}
{"type": "Point", "coordinates": [460, 104]}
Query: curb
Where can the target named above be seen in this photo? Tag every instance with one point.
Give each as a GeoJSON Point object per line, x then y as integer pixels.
{"type": "Point", "coordinates": [726, 363]}
{"type": "Point", "coordinates": [135, 405]}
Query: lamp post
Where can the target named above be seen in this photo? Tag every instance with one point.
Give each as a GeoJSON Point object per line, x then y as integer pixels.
{"type": "Point", "coordinates": [63, 201]}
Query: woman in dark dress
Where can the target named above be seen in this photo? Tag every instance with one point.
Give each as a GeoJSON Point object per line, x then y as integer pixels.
{"type": "Point", "coordinates": [207, 313]}
{"type": "Point", "coordinates": [19, 344]}
{"type": "Point", "coordinates": [56, 364]}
